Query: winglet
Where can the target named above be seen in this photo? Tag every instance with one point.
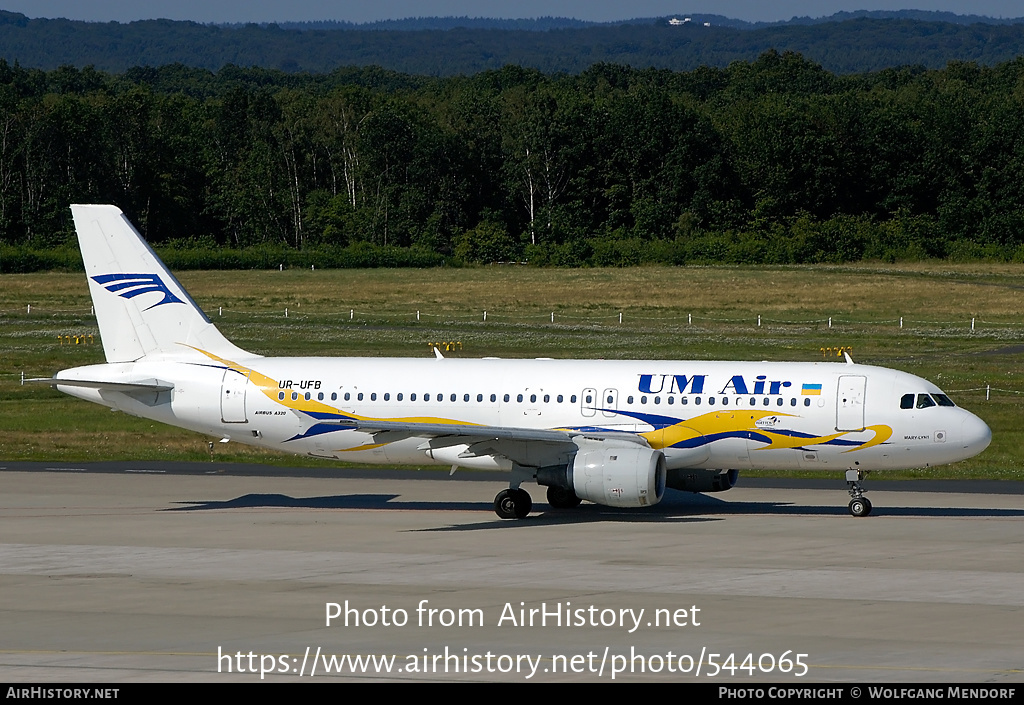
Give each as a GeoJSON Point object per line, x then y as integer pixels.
{"type": "Point", "coordinates": [849, 360]}
{"type": "Point", "coordinates": [437, 353]}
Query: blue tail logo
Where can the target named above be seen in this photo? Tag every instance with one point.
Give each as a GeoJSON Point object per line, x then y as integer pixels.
{"type": "Point", "coordinates": [129, 286]}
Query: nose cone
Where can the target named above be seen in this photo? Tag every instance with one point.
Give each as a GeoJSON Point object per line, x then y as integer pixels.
{"type": "Point", "coordinates": [976, 435]}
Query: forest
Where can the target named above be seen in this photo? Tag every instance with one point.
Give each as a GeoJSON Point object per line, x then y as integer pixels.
{"type": "Point", "coordinates": [775, 160]}
{"type": "Point", "coordinates": [845, 43]}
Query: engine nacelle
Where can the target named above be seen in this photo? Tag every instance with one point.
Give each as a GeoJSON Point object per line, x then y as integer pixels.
{"type": "Point", "coordinates": [691, 480]}
{"type": "Point", "coordinates": [614, 477]}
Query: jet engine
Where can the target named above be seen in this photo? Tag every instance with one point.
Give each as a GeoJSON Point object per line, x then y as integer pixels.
{"type": "Point", "coordinates": [614, 477]}
{"type": "Point", "coordinates": [700, 480]}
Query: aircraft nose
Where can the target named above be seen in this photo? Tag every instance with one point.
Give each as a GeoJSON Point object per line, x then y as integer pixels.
{"type": "Point", "coordinates": [975, 433]}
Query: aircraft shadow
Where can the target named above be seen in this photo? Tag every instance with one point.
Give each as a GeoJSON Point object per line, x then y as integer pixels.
{"type": "Point", "coordinates": [263, 501]}
{"type": "Point", "coordinates": [674, 509]}
{"type": "Point", "coordinates": [542, 513]}
{"type": "Point", "coordinates": [690, 512]}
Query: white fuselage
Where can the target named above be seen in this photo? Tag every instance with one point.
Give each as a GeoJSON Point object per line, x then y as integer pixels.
{"type": "Point", "coordinates": [737, 415]}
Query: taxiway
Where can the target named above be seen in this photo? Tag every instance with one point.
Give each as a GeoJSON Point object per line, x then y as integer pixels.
{"type": "Point", "coordinates": [155, 572]}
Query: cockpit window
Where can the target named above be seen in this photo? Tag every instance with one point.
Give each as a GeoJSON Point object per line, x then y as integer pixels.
{"type": "Point", "coordinates": [924, 401]}
{"type": "Point", "coordinates": [943, 400]}
{"type": "Point", "coordinates": [907, 401]}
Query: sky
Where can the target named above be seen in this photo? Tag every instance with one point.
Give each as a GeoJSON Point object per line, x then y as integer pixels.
{"type": "Point", "coordinates": [362, 11]}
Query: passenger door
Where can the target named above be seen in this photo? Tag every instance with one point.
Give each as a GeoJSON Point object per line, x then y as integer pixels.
{"type": "Point", "coordinates": [850, 402]}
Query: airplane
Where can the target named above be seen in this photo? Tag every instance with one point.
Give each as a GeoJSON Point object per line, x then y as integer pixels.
{"type": "Point", "coordinates": [612, 432]}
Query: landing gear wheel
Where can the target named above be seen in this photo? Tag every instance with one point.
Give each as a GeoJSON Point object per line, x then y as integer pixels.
{"type": "Point", "coordinates": [513, 504]}
{"type": "Point", "coordinates": [859, 504]}
{"type": "Point", "coordinates": [860, 507]}
{"type": "Point", "coordinates": [560, 498]}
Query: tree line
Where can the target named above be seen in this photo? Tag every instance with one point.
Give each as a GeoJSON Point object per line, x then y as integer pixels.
{"type": "Point", "coordinates": [845, 43]}
{"type": "Point", "coordinates": [774, 160]}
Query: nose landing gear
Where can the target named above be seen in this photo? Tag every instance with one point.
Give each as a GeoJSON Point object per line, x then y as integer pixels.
{"type": "Point", "coordinates": [860, 506]}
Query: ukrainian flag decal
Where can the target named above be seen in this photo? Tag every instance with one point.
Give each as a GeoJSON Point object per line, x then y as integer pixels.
{"type": "Point", "coordinates": [813, 390]}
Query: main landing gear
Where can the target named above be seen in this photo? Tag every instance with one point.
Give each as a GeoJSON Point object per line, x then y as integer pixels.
{"type": "Point", "coordinates": [513, 503]}
{"type": "Point", "coordinates": [860, 506]}
{"type": "Point", "coordinates": [561, 498]}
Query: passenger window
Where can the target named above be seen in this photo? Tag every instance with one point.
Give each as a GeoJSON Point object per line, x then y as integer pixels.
{"type": "Point", "coordinates": [792, 402]}
{"type": "Point", "coordinates": [280, 396]}
{"type": "Point", "coordinates": [671, 400]}
{"type": "Point", "coordinates": [767, 401]}
{"type": "Point", "coordinates": [359, 396]}
{"type": "Point", "coordinates": [454, 397]}
{"type": "Point", "coordinates": [465, 397]}
{"type": "Point", "coordinates": [334, 396]}
{"type": "Point", "coordinates": [924, 401]}
{"type": "Point", "coordinates": [684, 400]}
{"type": "Point", "coordinates": [696, 400]}
{"type": "Point", "coordinates": [412, 397]}
{"type": "Point", "coordinates": [629, 400]}
{"type": "Point", "coordinates": [494, 397]}
{"type": "Point", "coordinates": [295, 395]}
{"type": "Point", "coordinates": [559, 398]}
{"type": "Point", "coordinates": [643, 400]}
{"type": "Point", "coordinates": [506, 397]}
{"type": "Point", "coordinates": [779, 401]}
{"type": "Point", "coordinates": [519, 398]}
{"type": "Point", "coordinates": [807, 402]}
{"type": "Point", "coordinates": [907, 401]}
{"type": "Point", "coordinates": [547, 398]}
{"type": "Point", "coordinates": [320, 396]}
{"type": "Point", "coordinates": [398, 396]}
{"type": "Point", "coordinates": [572, 399]}
{"type": "Point", "coordinates": [426, 397]}
{"type": "Point", "coordinates": [479, 397]}
{"type": "Point", "coordinates": [657, 400]}
{"type": "Point", "coordinates": [725, 401]}
{"type": "Point", "coordinates": [533, 398]}
{"type": "Point", "coordinates": [347, 396]}
{"type": "Point", "coordinates": [306, 396]}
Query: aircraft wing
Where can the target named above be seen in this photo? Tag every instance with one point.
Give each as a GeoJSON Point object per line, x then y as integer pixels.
{"type": "Point", "coordinates": [477, 433]}
{"type": "Point", "coordinates": [461, 443]}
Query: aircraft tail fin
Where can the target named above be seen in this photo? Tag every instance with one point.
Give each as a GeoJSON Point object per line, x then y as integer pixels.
{"type": "Point", "coordinates": [141, 309]}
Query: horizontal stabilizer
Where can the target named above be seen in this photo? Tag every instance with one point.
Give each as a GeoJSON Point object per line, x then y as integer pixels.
{"type": "Point", "coordinates": [147, 386]}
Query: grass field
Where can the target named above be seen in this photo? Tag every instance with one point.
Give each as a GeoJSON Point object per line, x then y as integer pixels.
{"type": "Point", "coordinates": [667, 313]}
